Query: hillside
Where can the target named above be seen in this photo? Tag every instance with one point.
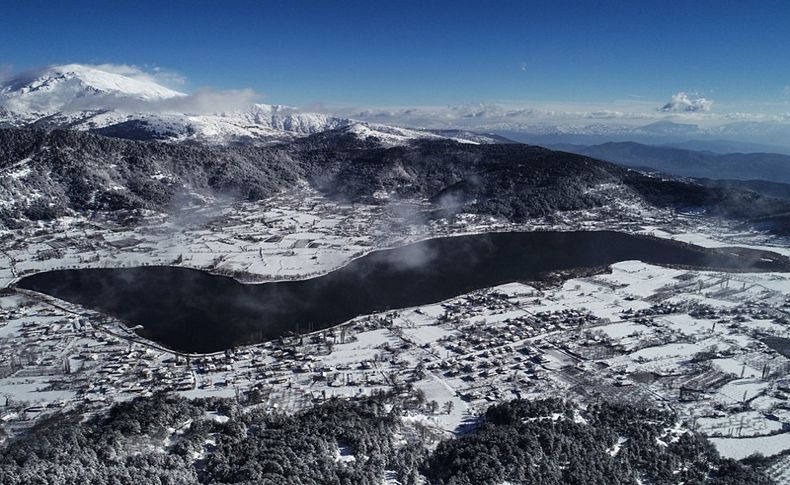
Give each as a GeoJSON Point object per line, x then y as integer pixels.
{"type": "Point", "coordinates": [46, 174]}
{"type": "Point", "coordinates": [166, 439]}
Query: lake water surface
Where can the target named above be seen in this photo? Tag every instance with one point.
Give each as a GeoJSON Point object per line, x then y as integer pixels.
{"type": "Point", "coordinates": [194, 311]}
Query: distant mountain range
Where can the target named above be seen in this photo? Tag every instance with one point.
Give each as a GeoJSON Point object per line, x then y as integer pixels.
{"type": "Point", "coordinates": [770, 167]}
{"type": "Point", "coordinates": [729, 138]}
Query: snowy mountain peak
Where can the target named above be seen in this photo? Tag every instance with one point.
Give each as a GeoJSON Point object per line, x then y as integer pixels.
{"type": "Point", "coordinates": [288, 119]}
{"type": "Point", "coordinates": [124, 102]}
{"type": "Point", "coordinates": [387, 135]}
{"type": "Point", "coordinates": [75, 87]}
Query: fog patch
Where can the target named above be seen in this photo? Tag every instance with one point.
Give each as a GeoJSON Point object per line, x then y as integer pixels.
{"type": "Point", "coordinates": [413, 256]}
{"type": "Point", "coordinates": [203, 101]}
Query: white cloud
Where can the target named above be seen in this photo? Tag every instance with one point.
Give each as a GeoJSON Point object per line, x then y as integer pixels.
{"type": "Point", "coordinates": [619, 119]}
{"type": "Point", "coordinates": [202, 101]}
{"type": "Point", "coordinates": [208, 100]}
{"type": "Point", "coordinates": [501, 116]}
{"type": "Point", "coordinates": [687, 103]}
{"type": "Point", "coordinates": [154, 74]}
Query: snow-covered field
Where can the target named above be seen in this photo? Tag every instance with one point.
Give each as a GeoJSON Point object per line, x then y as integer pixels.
{"type": "Point", "coordinates": [666, 337]}
{"type": "Point", "coordinates": [739, 448]}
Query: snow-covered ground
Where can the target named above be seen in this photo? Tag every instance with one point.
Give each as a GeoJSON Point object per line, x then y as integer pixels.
{"type": "Point", "coordinates": [641, 333]}
{"type": "Point", "coordinates": [739, 448]}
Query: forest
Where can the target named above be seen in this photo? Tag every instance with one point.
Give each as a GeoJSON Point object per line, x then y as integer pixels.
{"type": "Point", "coordinates": [52, 173]}
{"type": "Point", "coordinates": [169, 440]}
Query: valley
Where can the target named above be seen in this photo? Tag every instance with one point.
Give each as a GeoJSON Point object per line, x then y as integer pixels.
{"type": "Point", "coordinates": [268, 294]}
{"type": "Point", "coordinates": [643, 326]}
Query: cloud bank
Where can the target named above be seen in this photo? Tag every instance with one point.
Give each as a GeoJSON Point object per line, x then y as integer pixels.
{"type": "Point", "coordinates": [202, 101]}
{"type": "Point", "coordinates": [686, 111]}
{"type": "Point", "coordinates": [155, 74]}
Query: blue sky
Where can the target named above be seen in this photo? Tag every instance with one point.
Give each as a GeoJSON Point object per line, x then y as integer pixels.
{"type": "Point", "coordinates": [404, 53]}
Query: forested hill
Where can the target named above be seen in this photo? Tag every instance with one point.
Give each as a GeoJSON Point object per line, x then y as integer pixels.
{"type": "Point", "coordinates": [171, 440]}
{"type": "Point", "coordinates": [47, 174]}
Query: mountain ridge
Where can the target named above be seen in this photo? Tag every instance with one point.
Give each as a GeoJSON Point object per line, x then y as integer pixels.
{"type": "Point", "coordinates": [88, 98]}
{"type": "Point", "coordinates": [47, 174]}
{"type": "Point", "coordinates": [772, 167]}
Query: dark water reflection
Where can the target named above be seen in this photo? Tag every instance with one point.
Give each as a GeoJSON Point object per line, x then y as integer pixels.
{"type": "Point", "coordinates": [194, 311]}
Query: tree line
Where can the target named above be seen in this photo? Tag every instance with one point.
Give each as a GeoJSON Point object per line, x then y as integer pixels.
{"type": "Point", "coordinates": [170, 440]}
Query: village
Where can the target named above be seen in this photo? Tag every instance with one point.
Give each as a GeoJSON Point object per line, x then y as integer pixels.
{"type": "Point", "coordinates": [300, 234]}
{"type": "Point", "coordinates": [713, 347]}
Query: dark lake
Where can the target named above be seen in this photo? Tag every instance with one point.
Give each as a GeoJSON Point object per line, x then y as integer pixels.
{"type": "Point", "coordinates": [194, 311]}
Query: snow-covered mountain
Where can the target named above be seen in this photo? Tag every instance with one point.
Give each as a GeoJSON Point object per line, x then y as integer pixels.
{"type": "Point", "coordinates": [74, 88]}
{"type": "Point", "coordinates": [393, 136]}
{"type": "Point", "coordinates": [90, 98]}
{"type": "Point", "coordinates": [259, 123]}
